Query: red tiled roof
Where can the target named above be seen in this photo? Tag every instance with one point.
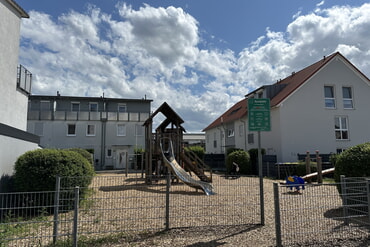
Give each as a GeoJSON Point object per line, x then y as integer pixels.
{"type": "Point", "coordinates": [295, 80]}
{"type": "Point", "coordinates": [292, 82]}
{"type": "Point", "coordinates": [237, 111]}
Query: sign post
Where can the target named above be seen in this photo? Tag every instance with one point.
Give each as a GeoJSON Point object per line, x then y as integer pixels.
{"type": "Point", "coordinates": [259, 120]}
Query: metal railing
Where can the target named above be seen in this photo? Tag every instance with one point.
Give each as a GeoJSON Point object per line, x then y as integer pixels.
{"type": "Point", "coordinates": [87, 115]}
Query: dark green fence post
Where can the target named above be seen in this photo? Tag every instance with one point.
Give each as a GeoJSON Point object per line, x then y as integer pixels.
{"type": "Point", "coordinates": [75, 216]}
{"type": "Point", "coordinates": [56, 209]}
{"type": "Point", "coordinates": [168, 185]}
{"type": "Point", "coordinates": [277, 215]}
{"type": "Point", "coordinates": [344, 198]}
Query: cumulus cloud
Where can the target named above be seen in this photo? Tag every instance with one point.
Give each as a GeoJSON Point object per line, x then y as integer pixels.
{"type": "Point", "coordinates": [155, 52]}
{"type": "Point", "coordinates": [306, 39]}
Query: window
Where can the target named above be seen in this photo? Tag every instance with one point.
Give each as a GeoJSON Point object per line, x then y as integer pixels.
{"type": "Point", "coordinates": [250, 138]}
{"type": "Point", "coordinates": [139, 130]}
{"type": "Point", "coordinates": [75, 106]}
{"type": "Point", "coordinates": [45, 105]}
{"type": "Point", "coordinates": [93, 106]}
{"type": "Point", "coordinates": [24, 79]}
{"type": "Point", "coordinates": [215, 144]}
{"type": "Point", "coordinates": [340, 150]}
{"type": "Point", "coordinates": [347, 98]}
{"type": "Point", "coordinates": [230, 133]}
{"type": "Point", "coordinates": [122, 108]}
{"type": "Point", "coordinates": [121, 130]}
{"type": "Point", "coordinates": [341, 128]}
{"type": "Point", "coordinates": [109, 152]}
{"type": "Point", "coordinates": [241, 130]}
{"type": "Point", "coordinates": [90, 130]}
{"type": "Point", "coordinates": [329, 97]}
{"type": "Point", "coordinates": [71, 130]}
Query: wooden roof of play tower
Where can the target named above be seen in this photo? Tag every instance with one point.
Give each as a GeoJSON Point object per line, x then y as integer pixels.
{"type": "Point", "coordinates": [171, 117]}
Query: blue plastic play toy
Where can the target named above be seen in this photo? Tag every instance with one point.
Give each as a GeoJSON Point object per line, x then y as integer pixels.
{"type": "Point", "coordinates": [296, 182]}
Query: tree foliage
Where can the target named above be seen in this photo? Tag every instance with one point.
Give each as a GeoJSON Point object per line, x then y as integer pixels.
{"type": "Point", "coordinates": [198, 150]}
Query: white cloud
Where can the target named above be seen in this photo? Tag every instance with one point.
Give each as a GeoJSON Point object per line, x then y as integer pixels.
{"type": "Point", "coordinates": [155, 52]}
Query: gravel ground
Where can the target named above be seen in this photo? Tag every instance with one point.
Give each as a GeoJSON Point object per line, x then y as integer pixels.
{"type": "Point", "coordinates": [244, 235]}
{"type": "Point", "coordinates": [112, 194]}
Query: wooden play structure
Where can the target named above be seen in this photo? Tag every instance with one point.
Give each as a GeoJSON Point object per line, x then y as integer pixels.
{"type": "Point", "coordinates": [170, 130]}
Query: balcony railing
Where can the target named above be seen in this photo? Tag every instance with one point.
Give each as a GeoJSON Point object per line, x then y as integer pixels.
{"type": "Point", "coordinates": [24, 79]}
{"type": "Point", "coordinates": [87, 116]}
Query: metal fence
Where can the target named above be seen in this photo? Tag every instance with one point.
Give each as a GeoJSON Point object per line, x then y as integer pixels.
{"type": "Point", "coordinates": [123, 204]}
{"type": "Point", "coordinates": [321, 216]}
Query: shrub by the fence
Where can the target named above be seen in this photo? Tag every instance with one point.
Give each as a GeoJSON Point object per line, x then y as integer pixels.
{"type": "Point", "coordinates": [353, 162]}
{"type": "Point", "coordinates": [242, 159]}
{"type": "Point", "coordinates": [37, 170]}
{"type": "Point", "coordinates": [86, 154]}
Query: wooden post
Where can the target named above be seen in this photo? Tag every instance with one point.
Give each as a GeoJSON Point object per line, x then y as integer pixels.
{"type": "Point", "coordinates": [308, 165]}
{"type": "Point", "coordinates": [319, 167]}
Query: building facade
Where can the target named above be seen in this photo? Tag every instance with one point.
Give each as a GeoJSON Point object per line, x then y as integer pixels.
{"type": "Point", "coordinates": [15, 82]}
{"type": "Point", "coordinates": [323, 107]}
{"type": "Point", "coordinates": [110, 128]}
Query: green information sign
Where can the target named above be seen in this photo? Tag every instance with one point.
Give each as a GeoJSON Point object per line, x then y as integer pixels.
{"type": "Point", "coordinates": [259, 115]}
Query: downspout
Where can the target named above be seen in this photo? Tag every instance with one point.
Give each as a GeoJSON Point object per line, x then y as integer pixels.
{"type": "Point", "coordinates": [245, 134]}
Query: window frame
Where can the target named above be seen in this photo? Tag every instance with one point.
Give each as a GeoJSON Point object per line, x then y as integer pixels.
{"type": "Point", "coordinates": [44, 103]}
{"type": "Point", "coordinates": [118, 129]}
{"type": "Point", "coordinates": [326, 99]}
{"type": "Point", "coordinates": [87, 130]}
{"type": "Point", "coordinates": [109, 153]}
{"type": "Point", "coordinates": [342, 131]}
{"type": "Point", "coordinates": [75, 103]}
{"type": "Point", "coordinates": [121, 105]}
{"type": "Point", "coordinates": [348, 99]}
{"type": "Point", "coordinates": [68, 129]}
{"type": "Point", "coordinates": [230, 133]}
{"type": "Point", "coordinates": [93, 104]}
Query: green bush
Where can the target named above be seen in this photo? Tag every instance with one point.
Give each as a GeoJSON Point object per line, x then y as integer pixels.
{"type": "Point", "coordinates": [242, 159]}
{"type": "Point", "coordinates": [230, 150]}
{"type": "Point", "coordinates": [85, 153]}
{"type": "Point", "coordinates": [37, 170]}
{"type": "Point", "coordinates": [198, 150]}
{"type": "Point", "coordinates": [301, 168]}
{"type": "Point", "coordinates": [353, 162]}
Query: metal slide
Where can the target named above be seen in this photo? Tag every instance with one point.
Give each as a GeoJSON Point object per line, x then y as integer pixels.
{"type": "Point", "coordinates": [181, 174]}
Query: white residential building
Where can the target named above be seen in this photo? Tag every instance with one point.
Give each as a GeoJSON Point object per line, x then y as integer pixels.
{"type": "Point", "coordinates": [110, 128]}
{"type": "Point", "coordinates": [15, 84]}
{"type": "Point", "coordinates": [323, 107]}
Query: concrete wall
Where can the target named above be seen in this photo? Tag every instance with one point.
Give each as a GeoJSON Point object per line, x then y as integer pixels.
{"type": "Point", "coordinates": [13, 110]}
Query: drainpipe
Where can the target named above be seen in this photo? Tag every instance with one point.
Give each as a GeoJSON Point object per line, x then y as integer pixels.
{"type": "Point", "coordinates": [245, 134]}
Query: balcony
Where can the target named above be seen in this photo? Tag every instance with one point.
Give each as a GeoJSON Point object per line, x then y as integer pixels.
{"type": "Point", "coordinates": [87, 116]}
{"type": "Point", "coordinates": [24, 79]}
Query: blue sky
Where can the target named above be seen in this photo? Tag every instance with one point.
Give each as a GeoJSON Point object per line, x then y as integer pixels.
{"type": "Point", "coordinates": [200, 57]}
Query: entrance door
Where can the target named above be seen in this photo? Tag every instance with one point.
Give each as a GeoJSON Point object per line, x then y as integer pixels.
{"type": "Point", "coordinates": [121, 160]}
